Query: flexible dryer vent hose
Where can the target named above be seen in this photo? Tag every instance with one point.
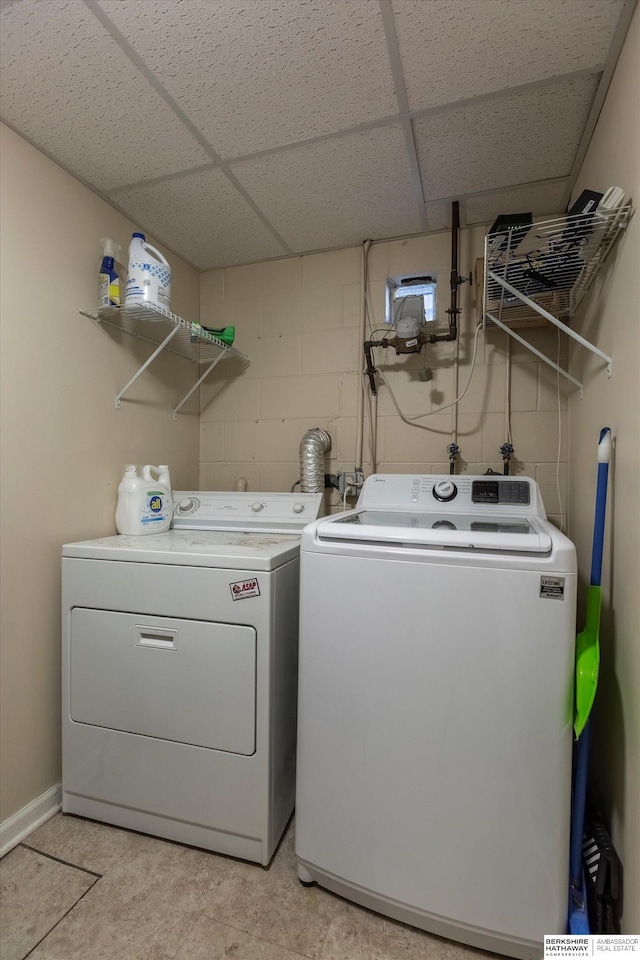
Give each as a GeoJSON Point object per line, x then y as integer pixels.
{"type": "Point", "coordinates": [313, 447]}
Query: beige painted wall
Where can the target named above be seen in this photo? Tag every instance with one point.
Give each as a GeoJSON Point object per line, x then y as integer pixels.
{"type": "Point", "coordinates": [297, 319]}
{"type": "Point", "coordinates": [611, 319]}
{"type": "Point", "coordinates": [63, 442]}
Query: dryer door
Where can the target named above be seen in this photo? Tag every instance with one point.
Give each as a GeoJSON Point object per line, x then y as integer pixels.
{"type": "Point", "coordinates": [185, 680]}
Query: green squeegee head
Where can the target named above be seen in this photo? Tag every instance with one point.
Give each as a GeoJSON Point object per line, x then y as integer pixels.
{"type": "Point", "coordinates": [587, 660]}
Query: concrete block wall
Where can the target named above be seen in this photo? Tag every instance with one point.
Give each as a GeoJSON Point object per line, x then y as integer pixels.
{"type": "Point", "coordinates": [297, 320]}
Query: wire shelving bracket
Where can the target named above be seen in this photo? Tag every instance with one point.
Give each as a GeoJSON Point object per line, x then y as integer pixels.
{"type": "Point", "coordinates": [546, 272]}
{"type": "Point", "coordinates": [165, 331]}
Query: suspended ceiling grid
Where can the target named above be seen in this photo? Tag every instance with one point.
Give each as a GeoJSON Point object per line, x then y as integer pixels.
{"type": "Point", "coordinates": [241, 130]}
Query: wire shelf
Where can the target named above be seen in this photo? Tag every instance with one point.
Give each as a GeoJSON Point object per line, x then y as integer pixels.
{"type": "Point", "coordinates": [550, 267]}
{"type": "Point", "coordinates": [165, 331]}
{"type": "Point", "coordinates": [543, 271]}
{"type": "Point", "coordinates": [154, 325]}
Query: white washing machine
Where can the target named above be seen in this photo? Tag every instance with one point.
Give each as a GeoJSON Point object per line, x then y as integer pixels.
{"type": "Point", "coordinates": [437, 627]}
{"type": "Point", "coordinates": [179, 673]}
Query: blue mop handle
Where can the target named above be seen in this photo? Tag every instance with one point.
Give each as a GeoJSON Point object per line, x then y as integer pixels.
{"type": "Point", "coordinates": [604, 456]}
{"type": "Point", "coordinates": [580, 775]}
{"type": "Point", "coordinates": [581, 749]}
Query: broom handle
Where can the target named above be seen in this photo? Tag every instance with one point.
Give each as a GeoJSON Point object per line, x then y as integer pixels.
{"type": "Point", "coordinates": [604, 456]}
{"type": "Point", "coordinates": [581, 749]}
{"type": "Point", "coordinates": [580, 774]}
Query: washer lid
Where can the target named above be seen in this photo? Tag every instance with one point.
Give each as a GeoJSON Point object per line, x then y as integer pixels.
{"type": "Point", "coordinates": [194, 548]}
{"type": "Point", "coordinates": [429, 529]}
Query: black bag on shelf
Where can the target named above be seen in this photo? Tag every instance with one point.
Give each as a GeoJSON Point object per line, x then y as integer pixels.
{"type": "Point", "coordinates": [512, 228]}
{"type": "Point", "coordinates": [580, 217]}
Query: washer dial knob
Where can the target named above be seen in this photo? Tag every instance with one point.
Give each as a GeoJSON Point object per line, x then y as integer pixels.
{"type": "Point", "coordinates": [298, 508]}
{"type": "Point", "coordinates": [445, 490]}
{"type": "Point", "coordinates": [187, 505]}
{"type": "Point", "coordinates": [257, 507]}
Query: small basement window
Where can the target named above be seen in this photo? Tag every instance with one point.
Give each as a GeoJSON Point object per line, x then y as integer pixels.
{"type": "Point", "coordinates": [421, 290]}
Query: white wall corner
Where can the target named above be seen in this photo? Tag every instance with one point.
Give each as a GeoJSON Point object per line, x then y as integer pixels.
{"type": "Point", "coordinates": [15, 828]}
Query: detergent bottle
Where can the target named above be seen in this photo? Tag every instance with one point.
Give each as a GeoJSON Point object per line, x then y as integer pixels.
{"type": "Point", "coordinates": [108, 280]}
{"type": "Point", "coordinates": [129, 501]}
{"type": "Point", "coordinates": [148, 275]}
{"type": "Point", "coordinates": [160, 503]}
{"type": "Point", "coordinates": [144, 504]}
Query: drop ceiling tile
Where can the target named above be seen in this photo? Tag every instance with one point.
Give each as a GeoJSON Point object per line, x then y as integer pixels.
{"type": "Point", "coordinates": [255, 75]}
{"type": "Point", "coordinates": [69, 88]}
{"type": "Point", "coordinates": [540, 199]}
{"type": "Point", "coordinates": [439, 215]}
{"type": "Point", "coordinates": [505, 140]}
{"type": "Point", "coordinates": [202, 217]}
{"type": "Point", "coordinates": [335, 193]}
{"type": "Point", "coordinates": [454, 49]}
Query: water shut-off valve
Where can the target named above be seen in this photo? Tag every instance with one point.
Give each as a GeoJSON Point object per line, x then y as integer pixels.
{"type": "Point", "coordinates": [454, 451]}
{"type": "Point", "coordinates": [506, 451]}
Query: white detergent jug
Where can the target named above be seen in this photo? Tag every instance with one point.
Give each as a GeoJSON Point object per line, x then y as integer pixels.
{"type": "Point", "coordinates": [162, 472]}
{"type": "Point", "coordinates": [144, 503]}
{"type": "Point", "coordinates": [148, 275]}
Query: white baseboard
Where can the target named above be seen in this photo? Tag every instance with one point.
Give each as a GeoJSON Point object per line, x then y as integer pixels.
{"type": "Point", "coordinates": [25, 821]}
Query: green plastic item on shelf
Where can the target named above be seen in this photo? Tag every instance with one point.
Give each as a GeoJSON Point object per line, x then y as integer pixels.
{"type": "Point", "coordinates": [226, 334]}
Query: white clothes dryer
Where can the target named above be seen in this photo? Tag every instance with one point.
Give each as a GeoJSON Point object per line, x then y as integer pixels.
{"type": "Point", "coordinates": [437, 630]}
{"type": "Point", "coordinates": [179, 673]}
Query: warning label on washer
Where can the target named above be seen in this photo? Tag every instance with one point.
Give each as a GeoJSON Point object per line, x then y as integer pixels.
{"type": "Point", "coordinates": [243, 589]}
{"type": "Point", "coordinates": [552, 588]}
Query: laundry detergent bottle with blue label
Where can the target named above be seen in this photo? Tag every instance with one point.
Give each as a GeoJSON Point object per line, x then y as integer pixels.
{"type": "Point", "coordinates": [144, 503]}
{"type": "Point", "coordinates": [148, 275]}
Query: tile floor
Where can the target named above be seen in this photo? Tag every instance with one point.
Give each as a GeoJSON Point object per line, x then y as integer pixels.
{"type": "Point", "coordinates": [79, 890]}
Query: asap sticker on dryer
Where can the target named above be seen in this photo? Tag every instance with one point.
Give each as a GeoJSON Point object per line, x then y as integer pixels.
{"type": "Point", "coordinates": [243, 589]}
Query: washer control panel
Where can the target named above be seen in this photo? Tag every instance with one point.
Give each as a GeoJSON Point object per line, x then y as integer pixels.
{"type": "Point", "coordinates": [231, 510]}
{"type": "Point", "coordinates": [486, 494]}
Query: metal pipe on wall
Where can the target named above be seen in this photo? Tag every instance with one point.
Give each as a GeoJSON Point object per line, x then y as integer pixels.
{"type": "Point", "coordinates": [455, 279]}
{"type": "Point", "coordinates": [361, 338]}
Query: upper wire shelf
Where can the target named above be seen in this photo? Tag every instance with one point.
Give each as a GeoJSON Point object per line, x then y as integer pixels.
{"type": "Point", "coordinates": [153, 324]}
{"type": "Point", "coordinates": [548, 265]}
{"type": "Point", "coordinates": [543, 270]}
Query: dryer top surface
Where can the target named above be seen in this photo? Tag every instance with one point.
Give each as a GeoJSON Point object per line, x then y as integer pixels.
{"type": "Point", "coordinates": [199, 548]}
